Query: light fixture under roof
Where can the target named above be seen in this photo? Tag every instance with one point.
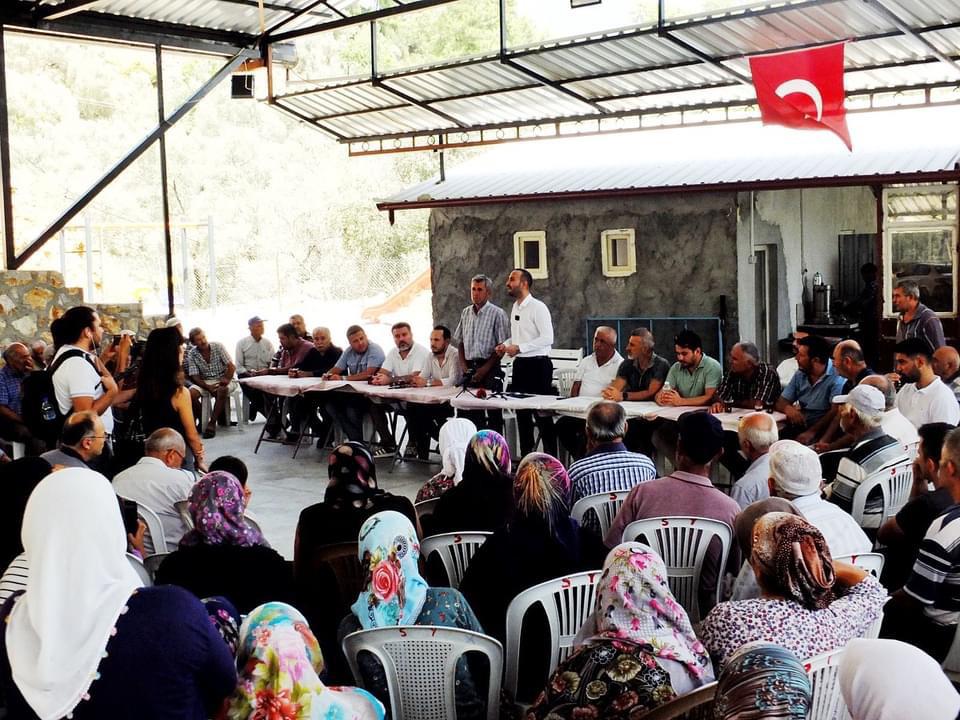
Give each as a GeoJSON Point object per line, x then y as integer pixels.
{"type": "Point", "coordinates": [583, 3]}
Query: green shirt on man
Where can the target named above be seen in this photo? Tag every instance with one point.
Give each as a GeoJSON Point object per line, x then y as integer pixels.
{"type": "Point", "coordinates": [693, 383]}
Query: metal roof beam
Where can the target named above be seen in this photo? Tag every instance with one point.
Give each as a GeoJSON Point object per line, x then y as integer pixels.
{"type": "Point", "coordinates": [910, 32]}
{"type": "Point", "coordinates": [15, 261]}
{"type": "Point", "coordinates": [300, 13]}
{"type": "Point", "coordinates": [357, 19]}
{"type": "Point", "coordinates": [68, 8]}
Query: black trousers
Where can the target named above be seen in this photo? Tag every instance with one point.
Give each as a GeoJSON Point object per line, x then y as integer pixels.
{"type": "Point", "coordinates": [572, 434]}
{"type": "Point", "coordinates": [423, 423]}
{"type": "Point", "coordinates": [486, 419]}
{"type": "Point", "coordinates": [534, 375]}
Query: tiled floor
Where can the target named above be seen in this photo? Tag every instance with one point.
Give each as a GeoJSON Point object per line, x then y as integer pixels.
{"type": "Point", "coordinates": [283, 486]}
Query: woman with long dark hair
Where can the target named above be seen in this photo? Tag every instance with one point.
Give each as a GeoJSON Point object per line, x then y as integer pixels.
{"type": "Point", "coordinates": [161, 398]}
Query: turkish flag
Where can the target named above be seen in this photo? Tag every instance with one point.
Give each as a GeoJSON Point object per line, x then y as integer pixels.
{"type": "Point", "coordinates": [802, 89]}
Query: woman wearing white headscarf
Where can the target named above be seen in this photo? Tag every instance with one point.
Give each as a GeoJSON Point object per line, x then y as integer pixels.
{"type": "Point", "coordinates": [454, 437]}
{"type": "Point", "coordinates": [84, 639]}
{"type": "Point", "coordinates": [891, 680]}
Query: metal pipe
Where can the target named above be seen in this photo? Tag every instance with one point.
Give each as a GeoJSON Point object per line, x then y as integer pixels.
{"type": "Point", "coordinates": [164, 190]}
{"type": "Point", "coordinates": [10, 249]}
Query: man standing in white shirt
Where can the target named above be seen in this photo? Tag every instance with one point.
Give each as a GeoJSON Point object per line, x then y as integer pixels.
{"type": "Point", "coordinates": [158, 482]}
{"type": "Point", "coordinates": [529, 344]}
{"type": "Point", "coordinates": [923, 398]}
{"type": "Point", "coordinates": [80, 381]}
{"type": "Point", "coordinates": [594, 373]}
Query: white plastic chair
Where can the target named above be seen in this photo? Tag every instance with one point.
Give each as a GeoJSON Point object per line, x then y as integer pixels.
{"type": "Point", "coordinates": [152, 562]}
{"type": "Point", "coordinates": [911, 449]}
{"type": "Point", "coordinates": [951, 664]}
{"type": "Point", "coordinates": [682, 542]}
{"type": "Point", "coordinates": [894, 484]}
{"type": "Point", "coordinates": [425, 507]}
{"type": "Point", "coordinates": [420, 665]}
{"type": "Point", "coordinates": [604, 506]}
{"type": "Point", "coordinates": [18, 450]}
{"type": "Point", "coordinates": [872, 562]}
{"type": "Point", "coordinates": [565, 380]}
{"type": "Point", "coordinates": [141, 570]}
{"type": "Point", "coordinates": [456, 550]}
{"type": "Point", "coordinates": [567, 602]}
{"type": "Point", "coordinates": [183, 510]}
{"type": "Point", "coordinates": [827, 702]}
{"type": "Point", "coordinates": [236, 401]}
{"type": "Point", "coordinates": [153, 540]}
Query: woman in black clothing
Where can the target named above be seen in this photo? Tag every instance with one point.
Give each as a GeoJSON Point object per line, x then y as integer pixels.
{"type": "Point", "coordinates": [18, 479]}
{"type": "Point", "coordinates": [352, 496]}
{"type": "Point", "coordinates": [223, 554]}
{"type": "Point", "coordinates": [161, 398]}
{"type": "Point", "coordinates": [483, 499]}
{"type": "Point", "coordinates": [542, 542]}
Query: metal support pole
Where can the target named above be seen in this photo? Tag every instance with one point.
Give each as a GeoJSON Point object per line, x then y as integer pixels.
{"type": "Point", "coordinates": [212, 257]}
{"type": "Point", "coordinates": [164, 194]}
{"type": "Point", "coordinates": [63, 255]}
{"type": "Point", "coordinates": [9, 247]}
{"type": "Point", "coordinates": [88, 248]}
{"type": "Point", "coordinates": [185, 286]}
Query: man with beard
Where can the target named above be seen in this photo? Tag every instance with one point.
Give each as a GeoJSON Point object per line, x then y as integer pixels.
{"type": "Point", "coordinates": [529, 344]}
{"type": "Point", "coordinates": [405, 361]}
{"type": "Point", "coordinates": [923, 398]}
{"type": "Point", "coordinates": [442, 369]}
{"type": "Point", "coordinates": [916, 319]}
{"type": "Point", "coordinates": [807, 396]}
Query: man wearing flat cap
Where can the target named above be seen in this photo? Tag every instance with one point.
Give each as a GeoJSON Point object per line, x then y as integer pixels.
{"type": "Point", "coordinates": [253, 356]}
{"type": "Point", "coordinates": [872, 451]}
{"type": "Point", "coordinates": [686, 492]}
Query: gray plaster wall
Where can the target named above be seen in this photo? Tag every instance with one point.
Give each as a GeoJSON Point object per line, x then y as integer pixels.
{"type": "Point", "coordinates": [686, 258]}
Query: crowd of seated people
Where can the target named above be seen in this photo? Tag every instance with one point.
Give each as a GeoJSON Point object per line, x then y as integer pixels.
{"type": "Point", "coordinates": [84, 638]}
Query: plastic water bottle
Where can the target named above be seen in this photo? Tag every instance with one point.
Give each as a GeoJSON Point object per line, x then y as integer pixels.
{"type": "Point", "coordinates": [667, 387]}
{"type": "Point", "coordinates": [46, 410]}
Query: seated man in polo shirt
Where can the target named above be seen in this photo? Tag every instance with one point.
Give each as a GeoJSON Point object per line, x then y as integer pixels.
{"type": "Point", "coordinates": [872, 451]}
{"type": "Point", "coordinates": [687, 492]}
{"type": "Point", "coordinates": [925, 612]}
{"type": "Point", "coordinates": [807, 398]}
{"type": "Point", "coordinates": [361, 361]}
{"type": "Point", "coordinates": [594, 373]}
{"type": "Point", "coordinates": [923, 398]}
{"type": "Point", "coordinates": [608, 466]}
{"type": "Point", "coordinates": [638, 378]}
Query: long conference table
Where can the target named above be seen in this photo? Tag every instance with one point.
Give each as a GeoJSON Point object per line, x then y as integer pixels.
{"type": "Point", "coordinates": [283, 386]}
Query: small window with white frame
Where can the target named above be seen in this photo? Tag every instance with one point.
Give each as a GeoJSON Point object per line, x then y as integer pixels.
{"type": "Point", "coordinates": [920, 244]}
{"type": "Point", "coordinates": [530, 252]}
{"type": "Point", "coordinates": [618, 252]}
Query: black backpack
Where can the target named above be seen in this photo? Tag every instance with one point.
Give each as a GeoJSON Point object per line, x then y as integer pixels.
{"type": "Point", "coordinates": [39, 406]}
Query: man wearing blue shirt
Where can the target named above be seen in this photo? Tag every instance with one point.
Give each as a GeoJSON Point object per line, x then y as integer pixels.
{"type": "Point", "coordinates": [807, 397]}
{"type": "Point", "coordinates": [361, 361]}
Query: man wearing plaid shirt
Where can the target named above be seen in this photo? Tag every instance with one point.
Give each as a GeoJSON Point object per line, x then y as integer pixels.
{"type": "Point", "coordinates": [210, 368]}
{"type": "Point", "coordinates": [748, 383]}
{"type": "Point", "coordinates": [482, 327]}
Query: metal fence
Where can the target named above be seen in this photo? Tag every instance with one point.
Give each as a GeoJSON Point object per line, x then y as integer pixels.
{"type": "Point", "coordinates": [710, 330]}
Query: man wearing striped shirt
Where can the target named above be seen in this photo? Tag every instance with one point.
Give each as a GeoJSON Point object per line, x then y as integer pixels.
{"type": "Point", "coordinates": [926, 611]}
{"type": "Point", "coordinates": [608, 465]}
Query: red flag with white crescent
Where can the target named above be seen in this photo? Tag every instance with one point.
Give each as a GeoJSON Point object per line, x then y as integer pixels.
{"type": "Point", "coordinates": [802, 89]}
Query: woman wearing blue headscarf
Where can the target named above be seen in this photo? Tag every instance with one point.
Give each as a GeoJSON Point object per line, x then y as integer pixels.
{"type": "Point", "coordinates": [396, 594]}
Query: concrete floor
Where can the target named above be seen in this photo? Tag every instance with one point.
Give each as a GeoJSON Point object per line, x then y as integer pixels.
{"type": "Point", "coordinates": [282, 486]}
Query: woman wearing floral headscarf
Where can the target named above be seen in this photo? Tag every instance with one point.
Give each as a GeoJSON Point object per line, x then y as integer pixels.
{"type": "Point", "coordinates": [453, 439]}
{"type": "Point", "coordinates": [280, 663]}
{"type": "Point", "coordinates": [763, 681]}
{"type": "Point", "coordinates": [395, 594]}
{"type": "Point", "coordinates": [809, 603]}
{"type": "Point", "coordinates": [223, 554]}
{"type": "Point", "coordinates": [483, 499]}
{"type": "Point", "coordinates": [638, 649]}
{"type": "Point", "coordinates": [541, 542]}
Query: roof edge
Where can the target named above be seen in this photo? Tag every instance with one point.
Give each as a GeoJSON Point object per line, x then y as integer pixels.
{"type": "Point", "coordinates": [779, 184]}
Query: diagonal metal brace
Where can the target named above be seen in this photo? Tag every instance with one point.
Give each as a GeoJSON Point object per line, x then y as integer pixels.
{"type": "Point", "coordinates": [15, 261]}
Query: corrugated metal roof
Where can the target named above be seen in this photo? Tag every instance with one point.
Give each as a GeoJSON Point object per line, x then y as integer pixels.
{"type": "Point", "coordinates": [895, 146]}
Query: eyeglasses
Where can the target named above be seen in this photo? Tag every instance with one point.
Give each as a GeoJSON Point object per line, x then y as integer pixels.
{"type": "Point", "coordinates": [182, 455]}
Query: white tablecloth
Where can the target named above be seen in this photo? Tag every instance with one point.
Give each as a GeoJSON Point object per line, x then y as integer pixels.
{"type": "Point", "coordinates": [534, 402]}
{"type": "Point", "coordinates": [281, 384]}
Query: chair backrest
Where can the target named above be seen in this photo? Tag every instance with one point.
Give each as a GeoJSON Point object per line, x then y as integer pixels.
{"type": "Point", "coordinates": [951, 664]}
{"type": "Point", "coordinates": [565, 380]}
{"type": "Point", "coordinates": [827, 701]}
{"type": "Point", "coordinates": [911, 449]}
{"type": "Point", "coordinates": [894, 484]}
{"type": "Point", "coordinates": [872, 562]}
{"type": "Point", "coordinates": [420, 665]}
{"type": "Point", "coordinates": [152, 562]}
{"type": "Point", "coordinates": [604, 506]}
{"type": "Point", "coordinates": [344, 567]}
{"type": "Point", "coordinates": [696, 705]}
{"type": "Point", "coordinates": [153, 540]}
{"type": "Point", "coordinates": [141, 571]}
{"type": "Point", "coordinates": [456, 550]}
{"type": "Point", "coordinates": [183, 510]}
{"type": "Point", "coordinates": [252, 522]}
{"type": "Point", "coordinates": [682, 542]}
{"type": "Point", "coordinates": [565, 358]}
{"type": "Point", "coordinates": [567, 603]}
{"type": "Point", "coordinates": [425, 507]}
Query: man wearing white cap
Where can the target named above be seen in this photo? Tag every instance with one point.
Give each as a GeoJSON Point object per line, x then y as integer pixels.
{"type": "Point", "coordinates": [795, 475]}
{"type": "Point", "coordinates": [872, 451]}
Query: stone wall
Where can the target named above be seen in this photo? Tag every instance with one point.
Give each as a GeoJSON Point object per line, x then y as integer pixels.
{"type": "Point", "coordinates": [30, 300]}
{"type": "Point", "coordinates": [686, 258]}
